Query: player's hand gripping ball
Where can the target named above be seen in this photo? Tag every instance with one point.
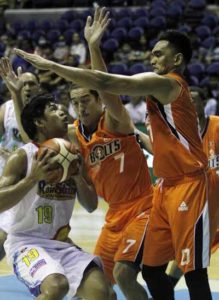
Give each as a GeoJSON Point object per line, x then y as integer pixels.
{"type": "Point", "coordinates": [66, 160]}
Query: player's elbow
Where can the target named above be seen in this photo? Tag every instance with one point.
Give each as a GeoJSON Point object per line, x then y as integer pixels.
{"type": "Point", "coordinates": [92, 205]}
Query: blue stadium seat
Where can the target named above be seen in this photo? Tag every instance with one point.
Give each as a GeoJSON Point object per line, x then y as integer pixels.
{"type": "Point", "coordinates": [174, 11]}
{"type": "Point", "coordinates": [158, 23]}
{"type": "Point", "coordinates": [213, 69]}
{"type": "Point", "coordinates": [77, 24]}
{"type": "Point", "coordinates": [17, 26]}
{"type": "Point", "coordinates": [209, 42]}
{"type": "Point", "coordinates": [124, 22]}
{"type": "Point", "coordinates": [157, 11]}
{"type": "Point", "coordinates": [137, 68]}
{"type": "Point", "coordinates": [135, 33]}
{"type": "Point", "coordinates": [203, 31]}
{"type": "Point", "coordinates": [68, 15]}
{"type": "Point", "coordinates": [211, 20]}
{"type": "Point", "coordinates": [31, 25]}
{"type": "Point", "coordinates": [61, 25]}
{"type": "Point", "coordinates": [140, 12]}
{"type": "Point", "coordinates": [118, 68]}
{"type": "Point", "coordinates": [196, 69]}
{"type": "Point", "coordinates": [53, 35]}
{"type": "Point", "coordinates": [142, 22]}
{"type": "Point", "coordinates": [110, 45]}
{"type": "Point", "coordinates": [46, 25]}
{"type": "Point", "coordinates": [119, 33]}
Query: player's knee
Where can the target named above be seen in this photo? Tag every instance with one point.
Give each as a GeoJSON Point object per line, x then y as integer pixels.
{"type": "Point", "coordinates": [102, 290]}
{"type": "Point", "coordinates": [55, 285]}
{"type": "Point", "coordinates": [124, 273]}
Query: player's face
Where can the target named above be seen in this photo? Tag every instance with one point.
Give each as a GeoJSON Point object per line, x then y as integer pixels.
{"type": "Point", "coordinates": [198, 102]}
{"type": "Point", "coordinates": [30, 87]}
{"type": "Point", "coordinates": [55, 121]}
{"type": "Point", "coordinates": [162, 58]}
{"type": "Point", "coordinates": [88, 109]}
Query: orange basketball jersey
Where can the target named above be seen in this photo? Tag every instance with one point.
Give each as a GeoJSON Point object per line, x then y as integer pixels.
{"type": "Point", "coordinates": [210, 137]}
{"type": "Point", "coordinates": [116, 165]}
{"type": "Point", "coordinates": [176, 142]}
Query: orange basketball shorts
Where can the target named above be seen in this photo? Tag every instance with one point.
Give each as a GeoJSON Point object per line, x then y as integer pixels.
{"type": "Point", "coordinates": [183, 222]}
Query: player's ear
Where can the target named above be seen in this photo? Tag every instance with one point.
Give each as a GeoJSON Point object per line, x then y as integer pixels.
{"type": "Point", "coordinates": [39, 123]}
{"type": "Point", "coordinates": [178, 59]}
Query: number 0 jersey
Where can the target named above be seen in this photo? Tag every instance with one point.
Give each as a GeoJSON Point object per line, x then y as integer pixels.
{"type": "Point", "coordinates": [116, 165]}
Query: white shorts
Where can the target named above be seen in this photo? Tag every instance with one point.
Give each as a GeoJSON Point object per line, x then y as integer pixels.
{"type": "Point", "coordinates": [32, 264]}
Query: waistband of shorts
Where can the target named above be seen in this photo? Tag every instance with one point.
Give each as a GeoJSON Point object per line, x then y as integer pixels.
{"type": "Point", "coordinates": [183, 179]}
{"type": "Point", "coordinates": [142, 198]}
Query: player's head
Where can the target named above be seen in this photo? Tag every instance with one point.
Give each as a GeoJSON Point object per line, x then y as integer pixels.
{"type": "Point", "coordinates": [43, 117]}
{"type": "Point", "coordinates": [171, 53]}
{"type": "Point", "coordinates": [87, 105]}
{"type": "Point", "coordinates": [198, 98]}
{"type": "Point", "coordinates": [30, 87]}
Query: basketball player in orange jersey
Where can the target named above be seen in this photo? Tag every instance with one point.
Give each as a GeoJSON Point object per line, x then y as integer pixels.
{"type": "Point", "coordinates": [118, 169]}
{"type": "Point", "coordinates": [209, 128]}
{"type": "Point", "coordinates": [185, 212]}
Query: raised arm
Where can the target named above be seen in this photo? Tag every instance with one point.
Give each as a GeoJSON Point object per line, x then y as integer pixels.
{"type": "Point", "coordinates": [115, 110]}
{"type": "Point", "coordinates": [14, 85]}
{"type": "Point", "coordinates": [136, 85]}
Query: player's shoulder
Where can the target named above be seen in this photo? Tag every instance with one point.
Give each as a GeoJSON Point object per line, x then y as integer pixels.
{"type": "Point", "coordinates": [214, 119]}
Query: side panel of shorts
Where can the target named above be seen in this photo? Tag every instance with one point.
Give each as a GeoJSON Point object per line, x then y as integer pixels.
{"type": "Point", "coordinates": [32, 265]}
{"type": "Point", "coordinates": [158, 247]}
{"type": "Point", "coordinates": [123, 245]}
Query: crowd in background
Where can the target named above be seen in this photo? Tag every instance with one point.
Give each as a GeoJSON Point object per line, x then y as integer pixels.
{"type": "Point", "coordinates": [126, 46]}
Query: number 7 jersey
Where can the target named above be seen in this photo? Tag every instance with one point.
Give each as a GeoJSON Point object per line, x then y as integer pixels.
{"type": "Point", "coordinates": [116, 165]}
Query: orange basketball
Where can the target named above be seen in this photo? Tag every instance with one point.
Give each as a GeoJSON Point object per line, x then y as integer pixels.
{"type": "Point", "coordinates": [65, 164]}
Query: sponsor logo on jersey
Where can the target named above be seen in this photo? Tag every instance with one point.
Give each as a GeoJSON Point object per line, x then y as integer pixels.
{"type": "Point", "coordinates": [16, 134]}
{"type": "Point", "coordinates": [60, 191]}
{"type": "Point", "coordinates": [37, 266]}
{"type": "Point", "coordinates": [183, 207]}
{"type": "Point", "coordinates": [101, 151]}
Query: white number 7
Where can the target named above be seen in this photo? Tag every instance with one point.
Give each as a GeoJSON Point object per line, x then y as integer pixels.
{"type": "Point", "coordinates": [120, 156]}
{"type": "Point", "coordinates": [130, 243]}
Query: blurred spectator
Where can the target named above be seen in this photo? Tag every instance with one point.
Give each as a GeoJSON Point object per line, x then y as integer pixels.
{"type": "Point", "coordinates": [61, 50]}
{"type": "Point", "coordinates": [137, 109]}
{"type": "Point", "coordinates": [78, 48]}
{"type": "Point", "coordinates": [142, 53]}
{"type": "Point", "coordinates": [122, 55]}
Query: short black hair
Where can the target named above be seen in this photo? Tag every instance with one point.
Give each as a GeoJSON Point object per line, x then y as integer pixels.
{"type": "Point", "coordinates": [179, 41]}
{"type": "Point", "coordinates": [34, 110]}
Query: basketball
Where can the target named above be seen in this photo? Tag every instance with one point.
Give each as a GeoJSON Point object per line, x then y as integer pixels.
{"type": "Point", "coordinates": [65, 165]}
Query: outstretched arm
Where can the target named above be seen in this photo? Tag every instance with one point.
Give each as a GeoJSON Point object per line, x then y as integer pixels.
{"type": "Point", "coordinates": [136, 85]}
{"type": "Point", "coordinates": [14, 85]}
{"type": "Point", "coordinates": [115, 110]}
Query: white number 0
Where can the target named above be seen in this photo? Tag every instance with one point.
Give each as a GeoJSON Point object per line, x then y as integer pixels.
{"type": "Point", "coordinates": [130, 243]}
{"type": "Point", "coordinates": [120, 156]}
